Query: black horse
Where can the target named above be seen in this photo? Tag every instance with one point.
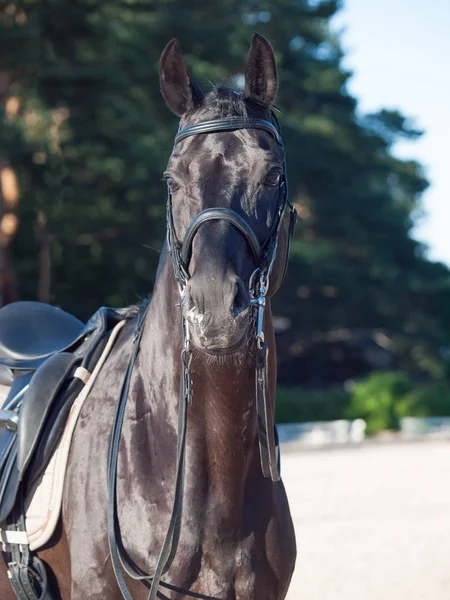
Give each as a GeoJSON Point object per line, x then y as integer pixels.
{"type": "Point", "coordinates": [230, 532]}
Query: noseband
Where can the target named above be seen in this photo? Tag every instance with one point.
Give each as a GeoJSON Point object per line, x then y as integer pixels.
{"type": "Point", "coordinates": [181, 253]}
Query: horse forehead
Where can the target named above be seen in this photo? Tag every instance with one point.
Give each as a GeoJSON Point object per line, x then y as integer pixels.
{"type": "Point", "coordinates": [230, 151]}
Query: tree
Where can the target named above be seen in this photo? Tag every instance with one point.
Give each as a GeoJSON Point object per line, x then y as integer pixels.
{"type": "Point", "coordinates": [90, 137]}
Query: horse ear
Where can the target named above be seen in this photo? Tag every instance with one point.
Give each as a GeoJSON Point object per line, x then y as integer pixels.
{"type": "Point", "coordinates": [179, 91]}
{"type": "Point", "coordinates": [261, 79]}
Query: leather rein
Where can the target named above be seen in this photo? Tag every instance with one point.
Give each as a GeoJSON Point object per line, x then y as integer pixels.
{"type": "Point", "coordinates": [264, 256]}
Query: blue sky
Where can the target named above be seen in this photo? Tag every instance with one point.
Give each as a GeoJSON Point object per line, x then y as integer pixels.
{"type": "Point", "coordinates": [399, 51]}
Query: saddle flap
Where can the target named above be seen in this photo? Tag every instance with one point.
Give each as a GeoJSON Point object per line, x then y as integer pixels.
{"type": "Point", "coordinates": [44, 387]}
{"type": "Point", "coordinates": [7, 438]}
{"type": "Point", "coordinates": [9, 480]}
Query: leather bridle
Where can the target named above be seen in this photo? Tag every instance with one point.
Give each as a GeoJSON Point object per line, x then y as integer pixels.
{"type": "Point", "coordinates": [181, 252]}
{"type": "Point", "coordinates": [264, 256]}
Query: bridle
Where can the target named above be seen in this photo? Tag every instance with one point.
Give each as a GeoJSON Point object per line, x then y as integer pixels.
{"type": "Point", "coordinates": [264, 256]}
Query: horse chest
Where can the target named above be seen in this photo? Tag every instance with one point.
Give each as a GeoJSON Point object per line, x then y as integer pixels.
{"type": "Point", "coordinates": [227, 571]}
{"type": "Point", "coordinates": [234, 559]}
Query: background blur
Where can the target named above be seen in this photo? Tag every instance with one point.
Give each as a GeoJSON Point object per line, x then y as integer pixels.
{"type": "Point", "coordinates": [363, 318]}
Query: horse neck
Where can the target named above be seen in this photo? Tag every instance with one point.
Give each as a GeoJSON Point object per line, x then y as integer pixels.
{"type": "Point", "coordinates": [222, 444]}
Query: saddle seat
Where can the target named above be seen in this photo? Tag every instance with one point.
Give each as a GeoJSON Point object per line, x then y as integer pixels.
{"type": "Point", "coordinates": [31, 331]}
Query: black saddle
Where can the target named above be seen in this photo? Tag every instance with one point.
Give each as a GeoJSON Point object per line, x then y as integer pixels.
{"type": "Point", "coordinates": [31, 331]}
{"type": "Point", "coordinates": [45, 356]}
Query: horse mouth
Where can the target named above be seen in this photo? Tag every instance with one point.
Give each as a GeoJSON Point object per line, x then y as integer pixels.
{"type": "Point", "coordinates": [222, 351]}
{"type": "Point", "coordinates": [220, 345]}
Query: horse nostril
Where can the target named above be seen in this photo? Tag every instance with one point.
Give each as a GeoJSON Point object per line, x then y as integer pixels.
{"type": "Point", "coordinates": [241, 298]}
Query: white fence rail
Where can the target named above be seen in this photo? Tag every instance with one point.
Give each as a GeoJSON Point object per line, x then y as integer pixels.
{"type": "Point", "coordinates": [322, 433]}
{"type": "Point", "coordinates": [413, 427]}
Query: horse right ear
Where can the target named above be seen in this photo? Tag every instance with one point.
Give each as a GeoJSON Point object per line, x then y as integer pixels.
{"type": "Point", "coordinates": [179, 91]}
{"type": "Point", "coordinates": [260, 73]}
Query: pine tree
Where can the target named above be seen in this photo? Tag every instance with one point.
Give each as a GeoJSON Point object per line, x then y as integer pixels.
{"type": "Point", "coordinates": [87, 137]}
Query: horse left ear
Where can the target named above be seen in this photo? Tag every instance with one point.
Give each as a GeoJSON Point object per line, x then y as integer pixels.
{"type": "Point", "coordinates": [178, 89]}
{"type": "Point", "coordinates": [261, 79]}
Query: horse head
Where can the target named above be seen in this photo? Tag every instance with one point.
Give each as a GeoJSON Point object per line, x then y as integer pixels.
{"type": "Point", "coordinates": [226, 195]}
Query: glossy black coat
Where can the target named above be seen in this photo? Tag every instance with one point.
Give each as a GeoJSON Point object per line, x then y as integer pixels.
{"type": "Point", "coordinates": [237, 539]}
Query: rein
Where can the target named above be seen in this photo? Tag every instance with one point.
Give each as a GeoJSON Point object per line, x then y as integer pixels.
{"type": "Point", "coordinates": [181, 253]}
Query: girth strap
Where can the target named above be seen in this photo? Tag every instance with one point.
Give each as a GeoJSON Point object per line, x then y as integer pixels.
{"type": "Point", "coordinates": [27, 572]}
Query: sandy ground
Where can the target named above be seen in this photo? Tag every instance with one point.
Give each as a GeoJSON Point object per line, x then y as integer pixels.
{"type": "Point", "coordinates": [372, 523]}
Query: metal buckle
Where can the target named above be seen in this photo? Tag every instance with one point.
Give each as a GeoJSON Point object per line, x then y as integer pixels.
{"type": "Point", "coordinates": [258, 292]}
{"type": "Point", "coordinates": [9, 419]}
{"type": "Point", "coordinates": [186, 361]}
{"type": "Point", "coordinates": [18, 564]}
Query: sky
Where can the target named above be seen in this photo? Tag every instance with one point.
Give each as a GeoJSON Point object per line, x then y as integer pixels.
{"type": "Point", "coordinates": [399, 52]}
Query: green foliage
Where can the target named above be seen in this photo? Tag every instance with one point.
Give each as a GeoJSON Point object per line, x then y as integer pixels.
{"type": "Point", "coordinates": [381, 400]}
{"type": "Point", "coordinates": [431, 400]}
{"type": "Point", "coordinates": [296, 405]}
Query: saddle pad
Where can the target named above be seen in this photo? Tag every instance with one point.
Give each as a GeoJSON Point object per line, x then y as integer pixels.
{"type": "Point", "coordinates": [43, 502]}
{"type": "Point", "coordinates": [4, 391]}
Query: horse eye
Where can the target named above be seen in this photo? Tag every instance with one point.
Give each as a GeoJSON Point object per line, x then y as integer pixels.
{"type": "Point", "coordinates": [171, 184]}
{"type": "Point", "coordinates": [273, 178]}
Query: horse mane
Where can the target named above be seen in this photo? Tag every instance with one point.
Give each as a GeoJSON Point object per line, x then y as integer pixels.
{"type": "Point", "coordinates": [222, 102]}
{"type": "Point", "coordinates": [226, 102]}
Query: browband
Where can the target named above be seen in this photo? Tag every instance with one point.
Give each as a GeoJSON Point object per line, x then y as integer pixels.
{"type": "Point", "coordinates": [230, 124]}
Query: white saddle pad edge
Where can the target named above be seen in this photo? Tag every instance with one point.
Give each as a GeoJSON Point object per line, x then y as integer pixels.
{"type": "Point", "coordinates": [43, 503]}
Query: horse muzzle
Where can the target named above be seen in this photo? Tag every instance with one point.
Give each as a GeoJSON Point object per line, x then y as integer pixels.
{"type": "Point", "coordinates": [218, 312]}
